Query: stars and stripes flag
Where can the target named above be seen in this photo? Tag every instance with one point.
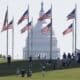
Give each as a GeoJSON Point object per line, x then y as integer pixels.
{"type": "Point", "coordinates": [47, 15]}
{"type": "Point", "coordinates": [24, 16]}
{"type": "Point", "coordinates": [5, 20]}
{"type": "Point", "coordinates": [10, 25]}
{"type": "Point", "coordinates": [71, 15]}
{"type": "Point", "coordinates": [68, 30]}
{"type": "Point", "coordinates": [47, 28]}
{"type": "Point", "coordinates": [27, 27]}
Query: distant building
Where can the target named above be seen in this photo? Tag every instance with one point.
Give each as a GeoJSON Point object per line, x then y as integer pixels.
{"type": "Point", "coordinates": [39, 43]}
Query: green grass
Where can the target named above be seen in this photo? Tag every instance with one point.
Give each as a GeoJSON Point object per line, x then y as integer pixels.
{"type": "Point", "coordinates": [68, 74]}
{"type": "Point", "coordinates": [2, 60]}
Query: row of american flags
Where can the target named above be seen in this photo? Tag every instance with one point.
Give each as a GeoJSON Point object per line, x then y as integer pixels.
{"type": "Point", "coordinates": [46, 15]}
{"type": "Point", "coordinates": [22, 18]}
{"type": "Point", "coordinates": [72, 15]}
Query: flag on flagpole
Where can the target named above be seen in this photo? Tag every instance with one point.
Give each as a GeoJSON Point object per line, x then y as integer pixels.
{"type": "Point", "coordinates": [47, 28]}
{"type": "Point", "coordinates": [27, 27]}
{"type": "Point", "coordinates": [47, 15]}
{"type": "Point", "coordinates": [5, 20]}
{"type": "Point", "coordinates": [10, 25]}
{"type": "Point", "coordinates": [71, 15]}
{"type": "Point", "coordinates": [24, 16]}
{"type": "Point", "coordinates": [68, 30]}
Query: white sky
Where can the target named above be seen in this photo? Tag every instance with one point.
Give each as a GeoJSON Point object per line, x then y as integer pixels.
{"type": "Point", "coordinates": [61, 8]}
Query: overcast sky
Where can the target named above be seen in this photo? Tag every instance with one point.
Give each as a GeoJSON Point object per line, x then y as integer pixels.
{"type": "Point", "coordinates": [61, 8]}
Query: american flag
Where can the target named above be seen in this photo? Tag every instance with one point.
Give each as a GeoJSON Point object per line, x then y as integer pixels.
{"type": "Point", "coordinates": [71, 15]}
{"type": "Point", "coordinates": [10, 25]}
{"type": "Point", "coordinates": [68, 30]}
{"type": "Point", "coordinates": [24, 16]}
{"type": "Point", "coordinates": [47, 15]}
{"type": "Point", "coordinates": [47, 28]}
{"type": "Point", "coordinates": [27, 27]}
{"type": "Point", "coordinates": [5, 20]}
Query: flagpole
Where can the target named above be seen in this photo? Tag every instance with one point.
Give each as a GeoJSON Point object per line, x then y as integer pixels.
{"type": "Point", "coordinates": [51, 37]}
{"type": "Point", "coordinates": [51, 42]}
{"type": "Point", "coordinates": [28, 34]}
{"type": "Point", "coordinates": [73, 38]}
{"type": "Point", "coordinates": [75, 26]}
{"type": "Point", "coordinates": [32, 36]}
{"type": "Point", "coordinates": [13, 40]}
{"type": "Point", "coordinates": [7, 36]}
{"type": "Point", "coordinates": [28, 40]}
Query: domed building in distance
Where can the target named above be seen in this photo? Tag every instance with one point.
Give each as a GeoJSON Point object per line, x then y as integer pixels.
{"type": "Point", "coordinates": [38, 44]}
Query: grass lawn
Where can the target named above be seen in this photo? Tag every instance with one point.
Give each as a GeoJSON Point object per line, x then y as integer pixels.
{"type": "Point", "coordinates": [68, 74]}
{"type": "Point", "coordinates": [2, 60]}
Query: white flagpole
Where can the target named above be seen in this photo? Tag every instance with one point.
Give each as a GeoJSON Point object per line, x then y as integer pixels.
{"type": "Point", "coordinates": [73, 37]}
{"type": "Point", "coordinates": [7, 34]}
{"type": "Point", "coordinates": [13, 39]}
{"type": "Point", "coordinates": [75, 28]}
{"type": "Point", "coordinates": [51, 36]}
{"type": "Point", "coordinates": [32, 36]}
{"type": "Point", "coordinates": [28, 35]}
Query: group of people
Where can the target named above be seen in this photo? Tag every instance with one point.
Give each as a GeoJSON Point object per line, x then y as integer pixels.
{"type": "Point", "coordinates": [66, 61]}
